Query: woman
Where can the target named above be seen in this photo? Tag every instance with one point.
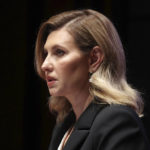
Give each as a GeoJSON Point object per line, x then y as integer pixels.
{"type": "Point", "coordinates": [80, 56]}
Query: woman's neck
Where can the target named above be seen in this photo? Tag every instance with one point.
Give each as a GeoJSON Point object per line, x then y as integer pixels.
{"type": "Point", "coordinates": [80, 101]}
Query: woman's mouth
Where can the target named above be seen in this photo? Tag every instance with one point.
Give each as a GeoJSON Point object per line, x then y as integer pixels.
{"type": "Point", "coordinates": [50, 81]}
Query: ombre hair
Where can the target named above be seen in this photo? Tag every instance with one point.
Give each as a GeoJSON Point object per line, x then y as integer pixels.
{"type": "Point", "coordinates": [108, 84]}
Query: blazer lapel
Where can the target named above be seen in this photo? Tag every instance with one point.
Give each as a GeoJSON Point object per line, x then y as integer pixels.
{"type": "Point", "coordinates": [60, 130]}
{"type": "Point", "coordinates": [82, 126]}
{"type": "Point", "coordinates": [76, 139]}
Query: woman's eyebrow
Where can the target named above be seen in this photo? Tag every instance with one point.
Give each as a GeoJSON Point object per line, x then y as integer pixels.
{"type": "Point", "coordinates": [54, 47]}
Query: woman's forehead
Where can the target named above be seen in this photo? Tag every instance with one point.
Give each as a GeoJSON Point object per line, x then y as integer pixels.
{"type": "Point", "coordinates": [59, 37]}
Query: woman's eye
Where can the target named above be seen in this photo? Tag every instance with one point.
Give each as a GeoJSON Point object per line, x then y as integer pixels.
{"type": "Point", "coordinates": [59, 52]}
{"type": "Point", "coordinates": [44, 54]}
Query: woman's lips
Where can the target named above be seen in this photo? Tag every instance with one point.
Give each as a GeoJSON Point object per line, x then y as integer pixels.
{"type": "Point", "coordinates": [50, 81]}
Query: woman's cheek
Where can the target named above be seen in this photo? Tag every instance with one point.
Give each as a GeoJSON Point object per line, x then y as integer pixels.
{"type": "Point", "coordinates": [70, 65]}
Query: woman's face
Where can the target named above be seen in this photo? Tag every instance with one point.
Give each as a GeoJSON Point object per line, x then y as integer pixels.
{"type": "Point", "coordinates": [66, 67]}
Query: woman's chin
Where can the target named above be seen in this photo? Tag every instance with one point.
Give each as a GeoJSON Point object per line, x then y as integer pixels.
{"type": "Point", "coordinates": [55, 92]}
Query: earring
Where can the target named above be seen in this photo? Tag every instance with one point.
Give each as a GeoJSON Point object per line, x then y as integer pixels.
{"type": "Point", "coordinates": [90, 74]}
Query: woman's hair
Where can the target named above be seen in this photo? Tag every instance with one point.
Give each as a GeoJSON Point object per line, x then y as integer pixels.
{"type": "Point", "coordinates": [90, 28]}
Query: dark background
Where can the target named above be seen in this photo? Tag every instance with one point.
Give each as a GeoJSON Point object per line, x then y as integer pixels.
{"type": "Point", "coordinates": [25, 121]}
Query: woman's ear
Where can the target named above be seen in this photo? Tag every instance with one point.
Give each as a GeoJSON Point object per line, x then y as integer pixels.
{"type": "Point", "coordinates": [95, 59]}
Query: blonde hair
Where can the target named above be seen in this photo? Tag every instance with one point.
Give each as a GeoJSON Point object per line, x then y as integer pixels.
{"type": "Point", "coordinates": [90, 28]}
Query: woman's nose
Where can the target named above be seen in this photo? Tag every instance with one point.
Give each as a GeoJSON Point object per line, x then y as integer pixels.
{"type": "Point", "coordinates": [46, 66]}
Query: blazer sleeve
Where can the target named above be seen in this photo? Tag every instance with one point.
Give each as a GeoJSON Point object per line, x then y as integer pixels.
{"type": "Point", "coordinates": [118, 128]}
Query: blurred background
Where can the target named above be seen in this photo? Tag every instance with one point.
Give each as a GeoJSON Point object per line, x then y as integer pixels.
{"type": "Point", "coordinates": [25, 121]}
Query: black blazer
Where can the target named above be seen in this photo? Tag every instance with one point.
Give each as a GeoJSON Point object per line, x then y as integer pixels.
{"type": "Point", "coordinates": [102, 127]}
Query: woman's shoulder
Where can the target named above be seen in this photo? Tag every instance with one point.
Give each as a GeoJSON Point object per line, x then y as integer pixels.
{"type": "Point", "coordinates": [118, 111]}
{"type": "Point", "coordinates": [117, 115]}
{"type": "Point", "coordinates": [118, 124]}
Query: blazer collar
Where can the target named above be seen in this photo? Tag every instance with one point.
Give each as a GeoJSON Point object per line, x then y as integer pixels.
{"type": "Point", "coordinates": [81, 127]}
{"type": "Point", "coordinates": [87, 117]}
